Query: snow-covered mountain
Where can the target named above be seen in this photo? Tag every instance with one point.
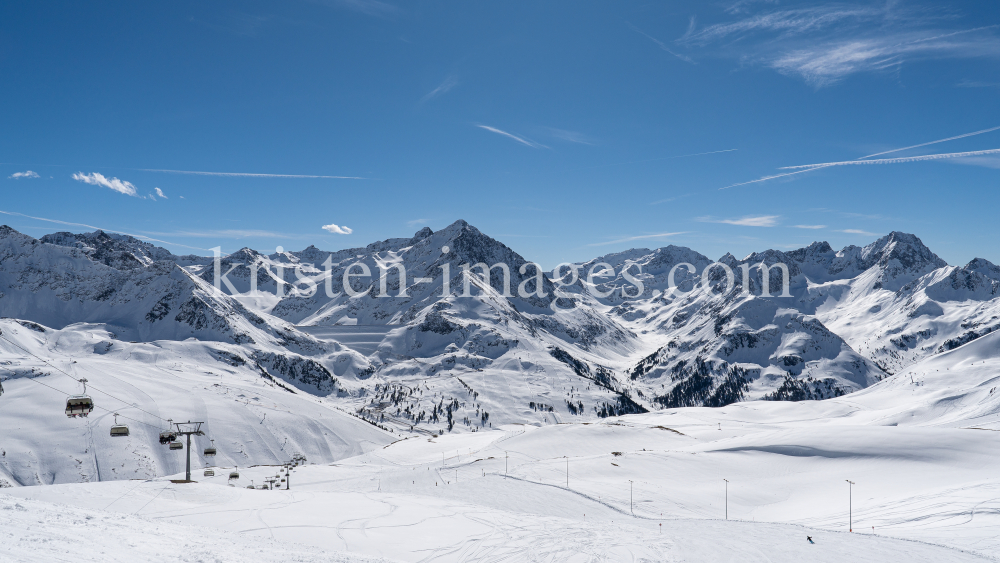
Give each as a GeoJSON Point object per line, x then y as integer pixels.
{"type": "Point", "coordinates": [139, 299]}
{"type": "Point", "coordinates": [633, 331]}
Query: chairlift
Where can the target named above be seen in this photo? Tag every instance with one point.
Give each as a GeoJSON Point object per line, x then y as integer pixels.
{"type": "Point", "coordinates": [209, 473]}
{"type": "Point", "coordinates": [234, 474]}
{"type": "Point", "coordinates": [176, 446]}
{"type": "Point", "coordinates": [79, 405]}
{"type": "Point", "coordinates": [210, 451]}
{"type": "Point", "coordinates": [119, 429]}
{"type": "Point", "coordinates": [168, 435]}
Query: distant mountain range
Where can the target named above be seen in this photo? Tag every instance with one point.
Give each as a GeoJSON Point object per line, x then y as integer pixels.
{"type": "Point", "coordinates": [442, 361]}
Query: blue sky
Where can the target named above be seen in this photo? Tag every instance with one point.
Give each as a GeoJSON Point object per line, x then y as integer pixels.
{"type": "Point", "coordinates": [563, 129]}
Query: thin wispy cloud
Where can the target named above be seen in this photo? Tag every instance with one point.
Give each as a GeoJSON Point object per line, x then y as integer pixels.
{"type": "Point", "coordinates": [661, 45]}
{"type": "Point", "coordinates": [857, 232]}
{"type": "Point", "coordinates": [415, 222]}
{"type": "Point", "coordinates": [786, 23]}
{"type": "Point", "coordinates": [246, 174]}
{"type": "Point", "coordinates": [669, 199]}
{"type": "Point", "coordinates": [159, 192]}
{"type": "Point", "coordinates": [639, 237]}
{"type": "Point", "coordinates": [449, 83]}
{"type": "Point", "coordinates": [809, 226]}
{"type": "Point", "coordinates": [337, 229]}
{"type": "Point", "coordinates": [824, 44]}
{"type": "Point", "coordinates": [71, 224]}
{"type": "Point", "coordinates": [744, 5]}
{"type": "Point", "coordinates": [23, 175]}
{"type": "Point", "coordinates": [754, 221]}
{"type": "Point", "coordinates": [825, 64]}
{"type": "Point", "coordinates": [97, 179]}
{"type": "Point", "coordinates": [977, 84]}
{"type": "Point", "coordinates": [521, 140]}
{"type": "Point", "coordinates": [898, 160]}
{"type": "Point", "coordinates": [569, 136]}
{"type": "Point", "coordinates": [987, 161]}
{"type": "Point", "coordinates": [933, 142]}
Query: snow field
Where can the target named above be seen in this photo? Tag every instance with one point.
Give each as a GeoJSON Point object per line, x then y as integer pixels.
{"type": "Point", "coordinates": [33, 531]}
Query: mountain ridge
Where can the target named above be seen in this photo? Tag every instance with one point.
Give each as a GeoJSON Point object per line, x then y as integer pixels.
{"type": "Point", "coordinates": [661, 347]}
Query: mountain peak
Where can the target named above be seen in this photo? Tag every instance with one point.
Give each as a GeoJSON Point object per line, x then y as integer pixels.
{"type": "Point", "coordinates": [423, 233]}
{"type": "Point", "coordinates": [814, 249]}
{"type": "Point", "coordinates": [984, 267]}
{"type": "Point", "coordinates": [905, 248]}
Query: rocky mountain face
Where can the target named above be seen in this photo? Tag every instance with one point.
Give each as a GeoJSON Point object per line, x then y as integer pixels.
{"type": "Point", "coordinates": [122, 284]}
{"type": "Point", "coordinates": [628, 332]}
{"type": "Point", "coordinates": [121, 252]}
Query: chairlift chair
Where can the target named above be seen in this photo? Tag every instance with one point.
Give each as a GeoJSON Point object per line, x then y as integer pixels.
{"type": "Point", "coordinates": [210, 451]}
{"type": "Point", "coordinates": [79, 405]}
{"type": "Point", "coordinates": [209, 473]}
{"type": "Point", "coordinates": [119, 429]}
{"type": "Point", "coordinates": [168, 435]}
{"type": "Point", "coordinates": [234, 474]}
{"type": "Point", "coordinates": [176, 446]}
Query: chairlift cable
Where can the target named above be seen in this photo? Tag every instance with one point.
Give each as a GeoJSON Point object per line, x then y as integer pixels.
{"type": "Point", "coordinates": [74, 378]}
{"type": "Point", "coordinates": [95, 406]}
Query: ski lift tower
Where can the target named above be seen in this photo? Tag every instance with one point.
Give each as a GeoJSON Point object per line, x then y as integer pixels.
{"type": "Point", "coordinates": [187, 429]}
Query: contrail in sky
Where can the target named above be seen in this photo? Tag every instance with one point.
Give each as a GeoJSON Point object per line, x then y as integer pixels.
{"type": "Point", "coordinates": [202, 173]}
{"type": "Point", "coordinates": [892, 160]}
{"type": "Point", "coordinates": [807, 167]}
{"type": "Point", "coordinates": [932, 142]}
{"type": "Point", "coordinates": [521, 140]}
{"type": "Point", "coordinates": [765, 178]}
{"type": "Point", "coordinates": [246, 174]}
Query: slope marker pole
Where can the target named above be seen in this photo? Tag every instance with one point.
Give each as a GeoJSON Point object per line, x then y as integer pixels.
{"type": "Point", "coordinates": [727, 498]}
{"type": "Point", "coordinates": [850, 515]}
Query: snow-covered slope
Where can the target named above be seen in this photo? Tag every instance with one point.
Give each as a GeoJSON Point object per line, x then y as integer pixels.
{"type": "Point", "coordinates": [33, 531]}
{"type": "Point", "coordinates": [920, 447]}
{"type": "Point", "coordinates": [252, 416]}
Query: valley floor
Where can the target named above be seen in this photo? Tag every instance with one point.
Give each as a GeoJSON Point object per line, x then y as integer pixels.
{"type": "Point", "coordinates": [639, 490]}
